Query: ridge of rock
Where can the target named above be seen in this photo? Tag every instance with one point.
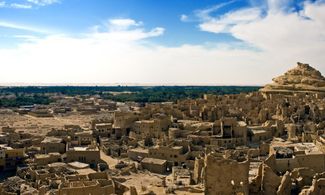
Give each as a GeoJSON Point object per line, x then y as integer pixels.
{"type": "Point", "coordinates": [302, 78]}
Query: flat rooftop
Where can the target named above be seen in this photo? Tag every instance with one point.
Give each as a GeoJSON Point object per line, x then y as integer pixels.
{"type": "Point", "coordinates": [52, 140]}
{"type": "Point", "coordinates": [78, 165]}
{"type": "Point", "coordinates": [40, 156]}
{"type": "Point", "coordinates": [79, 148]}
{"type": "Point", "coordinates": [154, 161]}
{"type": "Point", "coordinates": [141, 150]}
{"type": "Point", "coordinates": [84, 133]}
{"type": "Point", "coordinates": [258, 131]}
{"type": "Point", "coordinates": [145, 121]}
{"type": "Point", "coordinates": [308, 148]}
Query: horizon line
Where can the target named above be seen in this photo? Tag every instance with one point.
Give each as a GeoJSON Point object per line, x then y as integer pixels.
{"type": "Point", "coordinates": [22, 84]}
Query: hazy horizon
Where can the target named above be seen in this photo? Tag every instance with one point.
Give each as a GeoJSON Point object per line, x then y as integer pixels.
{"type": "Point", "coordinates": [113, 84]}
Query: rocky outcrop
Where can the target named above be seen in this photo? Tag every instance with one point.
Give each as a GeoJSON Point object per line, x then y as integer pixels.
{"type": "Point", "coordinates": [302, 78]}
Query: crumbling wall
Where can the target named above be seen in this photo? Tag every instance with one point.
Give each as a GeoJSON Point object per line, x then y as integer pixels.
{"type": "Point", "coordinates": [285, 186]}
{"type": "Point", "coordinates": [198, 166]}
{"type": "Point", "coordinates": [225, 176]}
{"type": "Point", "coordinates": [270, 181]}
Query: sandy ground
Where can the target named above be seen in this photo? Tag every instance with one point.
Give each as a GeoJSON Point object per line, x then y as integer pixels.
{"type": "Point", "coordinates": [145, 182]}
{"type": "Point", "coordinates": [109, 160]}
{"type": "Point", "coordinates": [40, 126]}
{"type": "Point", "coordinates": [85, 171]}
{"type": "Point", "coordinates": [142, 181]}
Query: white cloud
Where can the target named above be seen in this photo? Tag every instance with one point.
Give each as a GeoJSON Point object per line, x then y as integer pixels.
{"type": "Point", "coordinates": [2, 4]}
{"type": "Point", "coordinates": [26, 38]}
{"type": "Point", "coordinates": [100, 58]}
{"type": "Point", "coordinates": [226, 21]}
{"type": "Point", "coordinates": [43, 2]}
{"type": "Point", "coordinates": [20, 6]}
{"type": "Point", "coordinates": [96, 57]}
{"type": "Point", "coordinates": [279, 32]}
{"type": "Point", "coordinates": [287, 32]}
{"type": "Point", "coordinates": [242, 15]}
{"type": "Point", "coordinates": [122, 24]}
{"type": "Point", "coordinates": [212, 26]}
{"type": "Point", "coordinates": [276, 6]}
{"type": "Point", "coordinates": [183, 18]}
{"type": "Point", "coordinates": [204, 14]}
{"type": "Point", "coordinates": [12, 25]}
{"type": "Point", "coordinates": [27, 4]}
{"type": "Point", "coordinates": [124, 30]}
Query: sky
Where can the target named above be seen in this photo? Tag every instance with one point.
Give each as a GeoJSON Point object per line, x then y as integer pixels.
{"type": "Point", "coordinates": [158, 42]}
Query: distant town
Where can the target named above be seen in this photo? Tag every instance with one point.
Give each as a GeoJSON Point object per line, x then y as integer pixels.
{"type": "Point", "coordinates": [214, 140]}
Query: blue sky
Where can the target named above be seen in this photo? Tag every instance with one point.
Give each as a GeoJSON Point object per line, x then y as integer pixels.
{"type": "Point", "coordinates": [242, 42]}
{"type": "Point", "coordinates": [77, 16]}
